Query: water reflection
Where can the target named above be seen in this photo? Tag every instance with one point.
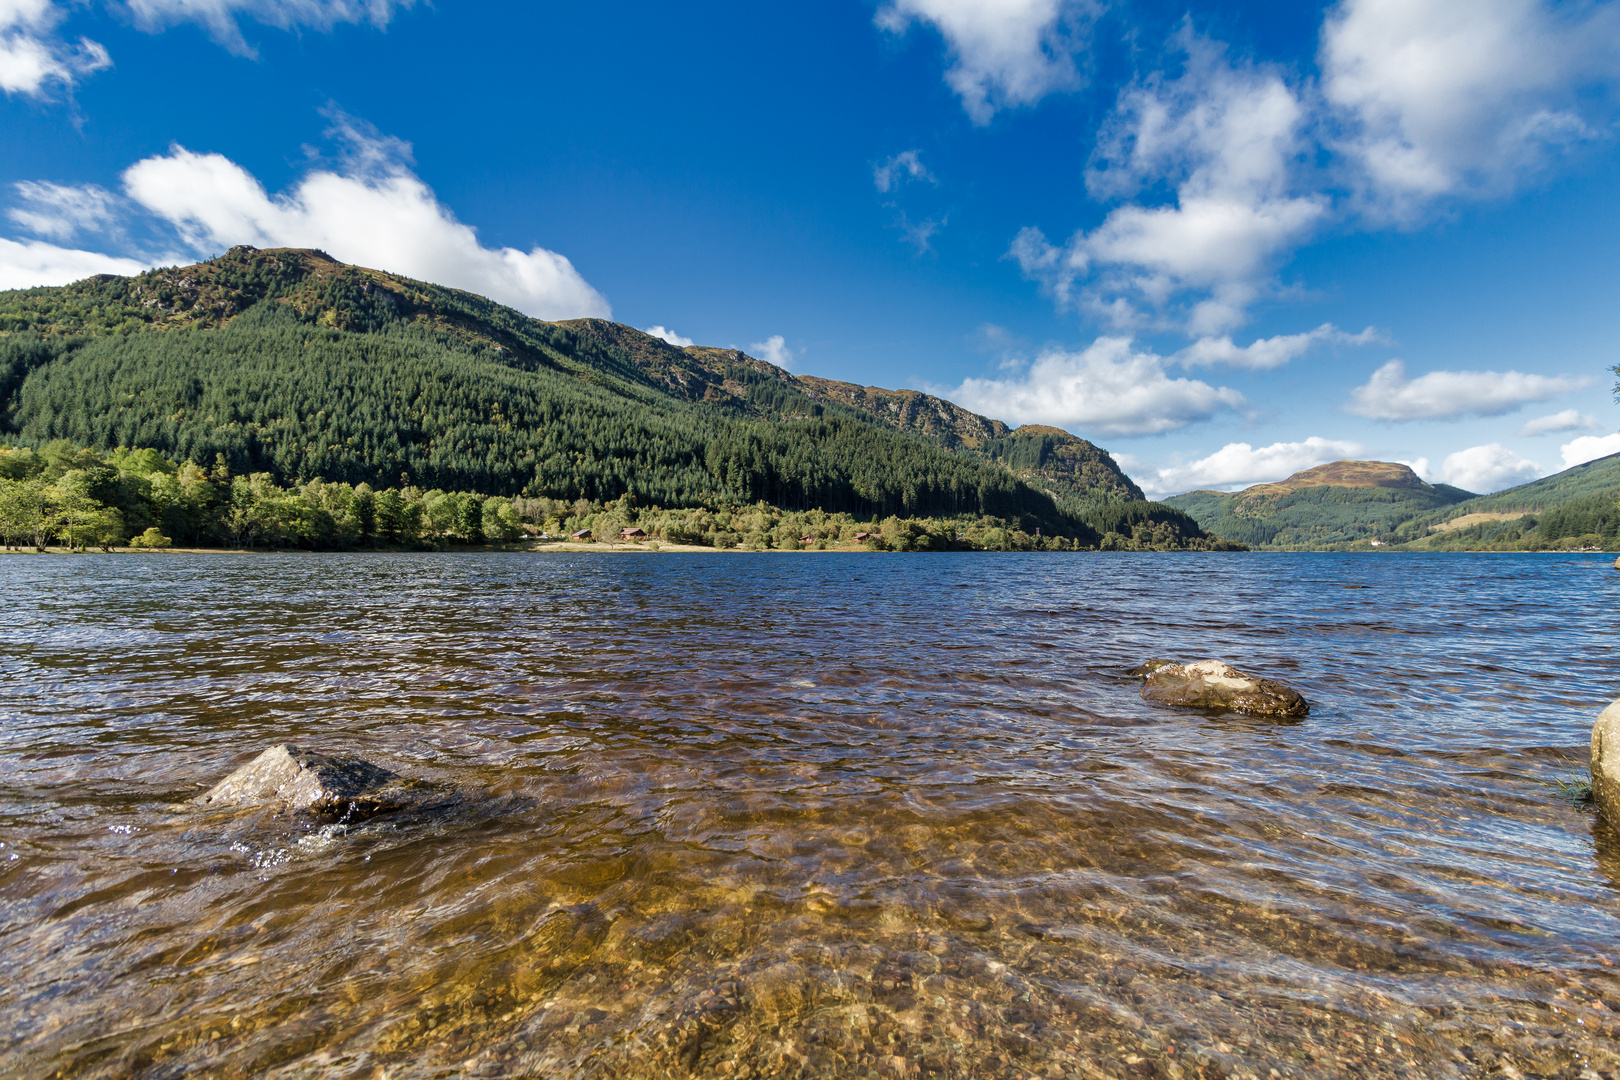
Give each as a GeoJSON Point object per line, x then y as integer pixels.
{"type": "Point", "coordinates": [820, 815]}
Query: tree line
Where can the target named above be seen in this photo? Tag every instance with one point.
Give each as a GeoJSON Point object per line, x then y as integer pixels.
{"type": "Point", "coordinates": [77, 497]}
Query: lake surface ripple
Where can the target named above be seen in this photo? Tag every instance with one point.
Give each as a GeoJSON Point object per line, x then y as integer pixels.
{"type": "Point", "coordinates": [819, 815]}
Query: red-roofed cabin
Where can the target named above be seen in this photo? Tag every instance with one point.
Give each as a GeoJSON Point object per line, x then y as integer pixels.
{"type": "Point", "coordinates": [861, 538]}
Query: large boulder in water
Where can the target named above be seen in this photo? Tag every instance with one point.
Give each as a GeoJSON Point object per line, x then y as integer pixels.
{"type": "Point", "coordinates": [1215, 684]}
{"type": "Point", "coordinates": [344, 787]}
{"type": "Point", "coordinates": [1606, 764]}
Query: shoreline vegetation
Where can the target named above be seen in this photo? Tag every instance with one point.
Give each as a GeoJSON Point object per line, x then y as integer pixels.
{"type": "Point", "coordinates": [142, 500]}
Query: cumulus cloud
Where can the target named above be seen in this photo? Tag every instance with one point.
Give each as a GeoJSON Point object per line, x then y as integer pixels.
{"type": "Point", "coordinates": [1442, 98]}
{"type": "Point", "coordinates": [1223, 171]}
{"type": "Point", "coordinates": [1227, 136]}
{"type": "Point", "coordinates": [1239, 465]}
{"type": "Point", "coordinates": [1443, 395]}
{"type": "Point", "coordinates": [906, 165]}
{"type": "Point", "coordinates": [28, 263]}
{"type": "Point", "coordinates": [59, 211]}
{"type": "Point", "coordinates": [1589, 448]}
{"type": "Point", "coordinates": [1109, 388]}
{"type": "Point", "coordinates": [773, 350]}
{"type": "Point", "coordinates": [668, 335]}
{"type": "Point", "coordinates": [34, 57]}
{"type": "Point", "coordinates": [1567, 420]}
{"type": "Point", "coordinates": [1487, 468]}
{"type": "Point", "coordinates": [222, 18]}
{"type": "Point", "coordinates": [371, 210]}
{"type": "Point", "coordinates": [1004, 53]}
{"type": "Point", "coordinates": [1265, 353]}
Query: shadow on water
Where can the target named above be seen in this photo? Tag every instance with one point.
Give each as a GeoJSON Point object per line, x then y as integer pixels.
{"type": "Point", "coordinates": [755, 816]}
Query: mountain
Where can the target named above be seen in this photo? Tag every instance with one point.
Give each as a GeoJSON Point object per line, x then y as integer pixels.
{"type": "Point", "coordinates": [1354, 503]}
{"type": "Point", "coordinates": [291, 363]}
{"type": "Point", "coordinates": [1340, 503]}
{"type": "Point", "coordinates": [1047, 458]}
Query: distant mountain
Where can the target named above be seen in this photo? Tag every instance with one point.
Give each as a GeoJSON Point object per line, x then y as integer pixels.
{"type": "Point", "coordinates": [292, 363]}
{"type": "Point", "coordinates": [1340, 503]}
{"type": "Point", "coordinates": [1348, 504]}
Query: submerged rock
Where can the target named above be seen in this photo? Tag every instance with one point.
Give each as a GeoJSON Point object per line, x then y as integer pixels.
{"type": "Point", "coordinates": [1215, 684]}
{"type": "Point", "coordinates": [345, 787]}
{"type": "Point", "coordinates": [1606, 763]}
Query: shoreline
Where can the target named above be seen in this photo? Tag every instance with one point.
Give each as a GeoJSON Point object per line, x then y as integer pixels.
{"type": "Point", "coordinates": [665, 548]}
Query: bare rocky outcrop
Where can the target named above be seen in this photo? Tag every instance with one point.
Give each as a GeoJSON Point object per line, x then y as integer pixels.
{"type": "Point", "coordinates": [1215, 684]}
{"type": "Point", "coordinates": [1606, 764]}
{"type": "Point", "coordinates": [342, 787]}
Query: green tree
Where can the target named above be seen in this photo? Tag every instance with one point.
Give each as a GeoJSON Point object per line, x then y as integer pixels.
{"type": "Point", "coordinates": [470, 518]}
{"type": "Point", "coordinates": [25, 512]}
{"type": "Point", "coordinates": [151, 538]}
{"type": "Point", "coordinates": [500, 520]}
{"type": "Point", "coordinates": [81, 519]}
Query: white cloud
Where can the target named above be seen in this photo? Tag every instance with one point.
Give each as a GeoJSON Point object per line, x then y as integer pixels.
{"type": "Point", "coordinates": [1418, 100]}
{"type": "Point", "coordinates": [773, 350]}
{"type": "Point", "coordinates": [29, 263]}
{"type": "Point", "coordinates": [1448, 98]}
{"type": "Point", "coordinates": [373, 211]}
{"type": "Point", "coordinates": [1589, 448]}
{"type": "Point", "coordinates": [906, 165]}
{"type": "Point", "coordinates": [1110, 388]}
{"type": "Point", "coordinates": [221, 17]}
{"type": "Point", "coordinates": [668, 335]}
{"type": "Point", "coordinates": [1264, 353]}
{"type": "Point", "coordinates": [1488, 468]}
{"type": "Point", "coordinates": [1229, 138]}
{"type": "Point", "coordinates": [1004, 53]}
{"type": "Point", "coordinates": [33, 56]}
{"type": "Point", "coordinates": [1440, 395]}
{"type": "Point", "coordinates": [58, 210]}
{"type": "Point", "coordinates": [1568, 420]}
{"type": "Point", "coordinates": [1239, 465]}
{"type": "Point", "coordinates": [920, 234]}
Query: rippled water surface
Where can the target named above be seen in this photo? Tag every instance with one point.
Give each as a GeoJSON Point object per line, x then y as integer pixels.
{"type": "Point", "coordinates": [820, 815]}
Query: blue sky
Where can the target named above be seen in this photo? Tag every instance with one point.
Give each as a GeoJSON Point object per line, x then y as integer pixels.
{"type": "Point", "coordinates": [1225, 241]}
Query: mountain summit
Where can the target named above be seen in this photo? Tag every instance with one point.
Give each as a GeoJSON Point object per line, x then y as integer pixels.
{"type": "Point", "coordinates": [1341, 502]}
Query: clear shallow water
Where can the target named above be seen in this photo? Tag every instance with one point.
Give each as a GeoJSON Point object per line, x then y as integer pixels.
{"type": "Point", "coordinates": [823, 815]}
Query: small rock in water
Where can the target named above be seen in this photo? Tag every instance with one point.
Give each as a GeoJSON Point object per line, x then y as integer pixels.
{"type": "Point", "coordinates": [1214, 684]}
{"type": "Point", "coordinates": [318, 783]}
{"type": "Point", "coordinates": [1606, 763]}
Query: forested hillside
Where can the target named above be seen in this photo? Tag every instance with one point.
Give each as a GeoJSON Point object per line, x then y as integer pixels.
{"type": "Point", "coordinates": [1047, 458]}
{"type": "Point", "coordinates": [1576, 508]}
{"type": "Point", "coordinates": [291, 365]}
